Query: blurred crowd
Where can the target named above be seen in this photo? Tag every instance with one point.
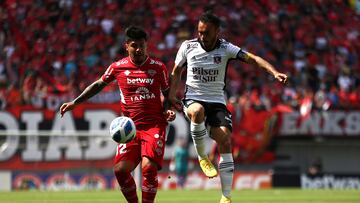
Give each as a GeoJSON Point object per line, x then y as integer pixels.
{"type": "Point", "coordinates": [55, 48]}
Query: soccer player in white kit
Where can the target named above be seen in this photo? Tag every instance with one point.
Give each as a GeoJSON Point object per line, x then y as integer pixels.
{"type": "Point", "coordinates": [206, 59]}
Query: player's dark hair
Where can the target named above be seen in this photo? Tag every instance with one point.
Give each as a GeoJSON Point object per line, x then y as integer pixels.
{"type": "Point", "coordinates": [209, 17]}
{"type": "Point", "coordinates": [135, 33]}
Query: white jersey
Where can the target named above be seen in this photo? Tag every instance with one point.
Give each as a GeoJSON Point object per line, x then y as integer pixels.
{"type": "Point", "coordinates": [206, 71]}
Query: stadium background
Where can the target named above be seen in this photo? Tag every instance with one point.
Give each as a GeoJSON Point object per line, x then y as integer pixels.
{"type": "Point", "coordinates": [302, 134]}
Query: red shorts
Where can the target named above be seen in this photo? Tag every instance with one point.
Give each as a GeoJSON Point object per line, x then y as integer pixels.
{"type": "Point", "coordinates": [149, 142]}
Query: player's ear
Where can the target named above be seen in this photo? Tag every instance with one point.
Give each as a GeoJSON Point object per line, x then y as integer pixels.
{"type": "Point", "coordinates": [126, 46]}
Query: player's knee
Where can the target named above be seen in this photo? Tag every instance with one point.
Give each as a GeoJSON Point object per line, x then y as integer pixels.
{"type": "Point", "coordinates": [120, 171]}
{"type": "Point", "coordinates": [122, 175]}
{"type": "Point", "coordinates": [221, 135]}
{"type": "Point", "coordinates": [122, 168]}
{"type": "Point", "coordinates": [196, 111]}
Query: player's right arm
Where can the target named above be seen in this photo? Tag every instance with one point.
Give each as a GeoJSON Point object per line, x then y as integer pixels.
{"type": "Point", "coordinates": [175, 78]}
{"type": "Point", "coordinates": [262, 63]}
{"type": "Point", "coordinates": [89, 91]}
{"type": "Point", "coordinates": [247, 57]}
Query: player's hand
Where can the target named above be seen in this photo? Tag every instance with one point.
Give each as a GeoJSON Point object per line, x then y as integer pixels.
{"type": "Point", "coordinates": [175, 104]}
{"type": "Point", "coordinates": [170, 115]}
{"type": "Point", "coordinates": [281, 77]}
{"type": "Point", "coordinates": [68, 106]}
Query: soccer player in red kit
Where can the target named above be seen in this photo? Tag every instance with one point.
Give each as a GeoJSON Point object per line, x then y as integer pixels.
{"type": "Point", "coordinates": [141, 81]}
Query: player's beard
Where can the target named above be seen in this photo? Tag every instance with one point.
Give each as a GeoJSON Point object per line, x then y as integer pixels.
{"type": "Point", "coordinates": [209, 44]}
{"type": "Point", "coordinates": [139, 59]}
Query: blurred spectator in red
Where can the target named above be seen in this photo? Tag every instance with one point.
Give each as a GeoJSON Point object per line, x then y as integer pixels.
{"type": "Point", "coordinates": [13, 96]}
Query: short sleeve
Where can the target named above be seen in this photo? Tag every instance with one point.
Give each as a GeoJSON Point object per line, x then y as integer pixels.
{"type": "Point", "coordinates": [235, 52]}
{"type": "Point", "coordinates": [109, 74]}
{"type": "Point", "coordinates": [180, 59]}
{"type": "Point", "coordinates": [232, 51]}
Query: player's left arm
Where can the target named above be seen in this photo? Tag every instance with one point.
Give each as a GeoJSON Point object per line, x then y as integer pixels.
{"type": "Point", "coordinates": [170, 115]}
{"type": "Point", "coordinates": [89, 92]}
{"type": "Point", "coordinates": [165, 88]}
{"type": "Point", "coordinates": [166, 102]}
{"type": "Point", "coordinates": [262, 63]}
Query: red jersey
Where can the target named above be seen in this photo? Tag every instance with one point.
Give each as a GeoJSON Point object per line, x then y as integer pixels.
{"type": "Point", "coordinates": [140, 89]}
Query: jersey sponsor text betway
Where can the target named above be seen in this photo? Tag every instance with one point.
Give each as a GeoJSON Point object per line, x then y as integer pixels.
{"type": "Point", "coordinates": [140, 80]}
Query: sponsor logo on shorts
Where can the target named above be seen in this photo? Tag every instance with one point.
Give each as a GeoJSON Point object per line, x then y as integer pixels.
{"type": "Point", "coordinates": [158, 151]}
{"type": "Point", "coordinates": [160, 143]}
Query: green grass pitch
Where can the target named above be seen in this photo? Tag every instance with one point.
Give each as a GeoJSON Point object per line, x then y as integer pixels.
{"type": "Point", "coordinates": [188, 196]}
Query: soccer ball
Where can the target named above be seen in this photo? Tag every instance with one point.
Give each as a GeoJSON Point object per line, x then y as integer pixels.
{"type": "Point", "coordinates": [122, 129]}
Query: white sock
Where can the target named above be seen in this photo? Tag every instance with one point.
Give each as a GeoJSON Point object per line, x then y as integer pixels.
{"type": "Point", "coordinates": [198, 133]}
{"type": "Point", "coordinates": [226, 169]}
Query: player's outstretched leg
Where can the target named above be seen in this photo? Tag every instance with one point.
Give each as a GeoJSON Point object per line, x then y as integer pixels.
{"type": "Point", "coordinates": [127, 185]}
{"type": "Point", "coordinates": [198, 132]}
{"type": "Point", "coordinates": [150, 183]}
{"type": "Point", "coordinates": [226, 170]}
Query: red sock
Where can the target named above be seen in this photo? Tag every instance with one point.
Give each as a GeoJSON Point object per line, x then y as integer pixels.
{"type": "Point", "coordinates": [127, 186]}
{"type": "Point", "coordinates": [150, 184]}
